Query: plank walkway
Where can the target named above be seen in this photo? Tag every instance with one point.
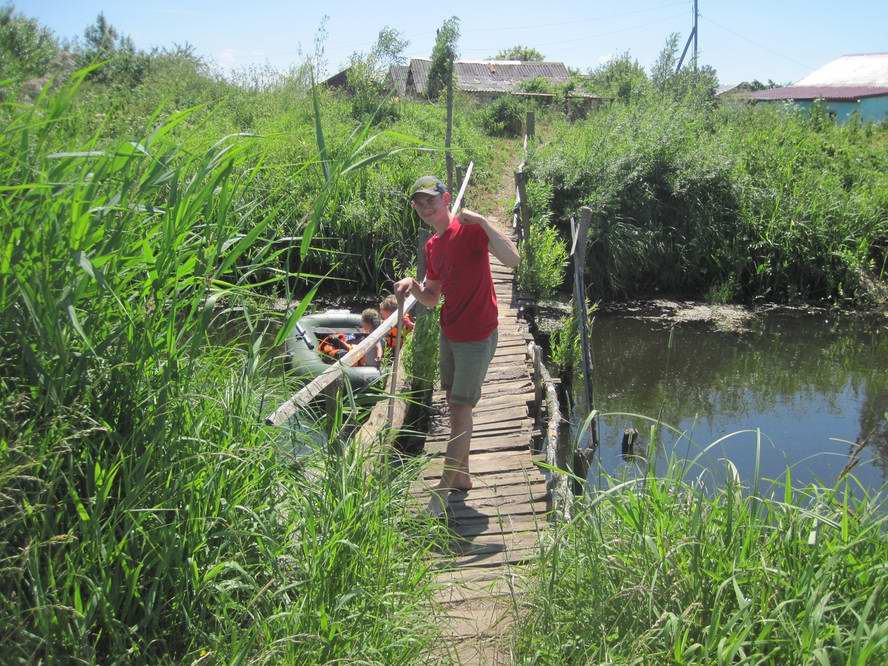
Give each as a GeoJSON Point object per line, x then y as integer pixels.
{"type": "Point", "coordinates": [495, 526]}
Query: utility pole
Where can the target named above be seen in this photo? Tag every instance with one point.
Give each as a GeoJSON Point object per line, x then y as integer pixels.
{"type": "Point", "coordinates": [696, 32]}
{"type": "Point", "coordinates": [692, 36]}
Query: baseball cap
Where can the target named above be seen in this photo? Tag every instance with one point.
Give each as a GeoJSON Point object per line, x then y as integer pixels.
{"type": "Point", "coordinates": [427, 185]}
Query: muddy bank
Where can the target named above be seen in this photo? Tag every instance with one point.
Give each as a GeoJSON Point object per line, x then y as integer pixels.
{"type": "Point", "coordinates": [546, 316]}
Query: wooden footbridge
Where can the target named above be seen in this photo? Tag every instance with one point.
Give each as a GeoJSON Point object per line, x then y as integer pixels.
{"type": "Point", "coordinates": [498, 524]}
{"type": "Point", "coordinates": [496, 527]}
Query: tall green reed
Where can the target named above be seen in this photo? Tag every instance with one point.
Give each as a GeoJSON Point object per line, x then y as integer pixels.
{"type": "Point", "coordinates": [741, 202]}
{"type": "Point", "coordinates": [147, 516]}
{"type": "Point", "coordinates": [657, 569]}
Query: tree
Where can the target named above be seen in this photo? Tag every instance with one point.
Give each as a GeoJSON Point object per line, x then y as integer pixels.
{"type": "Point", "coordinates": [700, 83]}
{"type": "Point", "coordinates": [755, 85]}
{"type": "Point", "coordinates": [620, 77]}
{"type": "Point", "coordinates": [101, 37]}
{"type": "Point", "coordinates": [103, 42]}
{"type": "Point", "coordinates": [520, 52]}
{"type": "Point", "coordinates": [443, 55]}
{"type": "Point", "coordinates": [26, 47]}
{"type": "Point", "coordinates": [367, 74]}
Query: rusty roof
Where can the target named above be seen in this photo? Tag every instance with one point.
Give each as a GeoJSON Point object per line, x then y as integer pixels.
{"type": "Point", "coordinates": [832, 93]}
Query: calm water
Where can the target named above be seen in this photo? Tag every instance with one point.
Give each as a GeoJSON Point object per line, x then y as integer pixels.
{"type": "Point", "coordinates": [801, 380]}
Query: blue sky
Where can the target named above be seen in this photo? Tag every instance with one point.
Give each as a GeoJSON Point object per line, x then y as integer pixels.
{"type": "Point", "coordinates": [778, 39]}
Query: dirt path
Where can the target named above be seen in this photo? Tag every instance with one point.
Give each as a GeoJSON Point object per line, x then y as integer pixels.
{"type": "Point", "coordinates": [494, 196]}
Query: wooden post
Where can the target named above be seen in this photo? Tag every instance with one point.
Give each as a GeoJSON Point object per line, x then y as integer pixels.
{"type": "Point", "coordinates": [447, 136]}
{"type": "Point", "coordinates": [537, 356]}
{"type": "Point", "coordinates": [530, 125]}
{"type": "Point", "coordinates": [516, 226]}
{"type": "Point", "coordinates": [396, 359]}
{"type": "Point", "coordinates": [330, 406]}
{"type": "Point", "coordinates": [582, 461]}
{"type": "Point", "coordinates": [578, 251]}
{"type": "Point", "coordinates": [524, 212]}
{"type": "Point", "coordinates": [627, 446]}
{"type": "Point", "coordinates": [421, 240]}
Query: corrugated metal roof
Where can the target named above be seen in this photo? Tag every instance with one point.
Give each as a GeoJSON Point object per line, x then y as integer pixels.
{"type": "Point", "coordinates": [418, 76]}
{"type": "Point", "coordinates": [505, 76]}
{"type": "Point", "coordinates": [862, 69]}
{"type": "Point", "coordinates": [833, 93]}
{"type": "Point", "coordinates": [398, 78]}
{"type": "Point", "coordinates": [489, 75]}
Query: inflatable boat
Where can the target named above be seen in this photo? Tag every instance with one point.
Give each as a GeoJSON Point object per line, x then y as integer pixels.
{"type": "Point", "coordinates": [303, 347]}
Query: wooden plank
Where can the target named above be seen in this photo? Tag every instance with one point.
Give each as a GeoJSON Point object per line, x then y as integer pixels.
{"type": "Point", "coordinates": [507, 412]}
{"type": "Point", "coordinates": [491, 402]}
{"type": "Point", "coordinates": [490, 559]}
{"type": "Point", "coordinates": [438, 449]}
{"type": "Point", "coordinates": [510, 524]}
{"type": "Point", "coordinates": [482, 463]}
{"type": "Point", "coordinates": [521, 424]}
{"type": "Point", "coordinates": [506, 487]}
{"type": "Point", "coordinates": [490, 426]}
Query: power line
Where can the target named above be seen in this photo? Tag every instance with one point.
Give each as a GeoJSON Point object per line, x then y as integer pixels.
{"type": "Point", "coordinates": [755, 43]}
{"type": "Point", "coordinates": [599, 34]}
{"type": "Point", "coordinates": [580, 20]}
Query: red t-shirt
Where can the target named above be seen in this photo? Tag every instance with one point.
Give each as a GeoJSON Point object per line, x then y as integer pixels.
{"type": "Point", "coordinates": [458, 258]}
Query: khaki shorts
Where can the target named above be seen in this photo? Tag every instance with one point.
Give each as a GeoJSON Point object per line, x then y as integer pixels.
{"type": "Point", "coordinates": [463, 367]}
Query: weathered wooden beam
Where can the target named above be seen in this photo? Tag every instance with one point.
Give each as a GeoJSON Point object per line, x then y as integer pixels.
{"type": "Point", "coordinates": [556, 449]}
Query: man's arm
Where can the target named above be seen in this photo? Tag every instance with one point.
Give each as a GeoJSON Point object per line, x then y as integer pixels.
{"type": "Point", "coordinates": [500, 247]}
{"type": "Point", "coordinates": [427, 292]}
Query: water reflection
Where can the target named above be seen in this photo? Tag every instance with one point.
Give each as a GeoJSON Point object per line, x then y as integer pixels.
{"type": "Point", "coordinates": [801, 379]}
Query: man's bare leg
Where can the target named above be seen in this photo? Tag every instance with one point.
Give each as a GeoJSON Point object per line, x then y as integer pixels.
{"type": "Point", "coordinates": [455, 475]}
{"type": "Point", "coordinates": [456, 461]}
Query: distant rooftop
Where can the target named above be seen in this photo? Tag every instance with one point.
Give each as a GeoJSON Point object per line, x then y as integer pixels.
{"type": "Point", "coordinates": [851, 77]}
{"type": "Point", "coordinates": [861, 69]}
{"type": "Point", "coordinates": [489, 75]}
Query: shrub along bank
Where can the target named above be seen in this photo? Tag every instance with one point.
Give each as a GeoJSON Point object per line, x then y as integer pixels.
{"type": "Point", "coordinates": [733, 203]}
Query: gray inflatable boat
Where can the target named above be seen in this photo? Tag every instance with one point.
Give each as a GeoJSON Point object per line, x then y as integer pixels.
{"type": "Point", "coordinates": [302, 347]}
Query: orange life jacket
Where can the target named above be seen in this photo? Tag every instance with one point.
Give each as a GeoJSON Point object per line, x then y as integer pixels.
{"type": "Point", "coordinates": [392, 336]}
{"type": "Point", "coordinates": [337, 346]}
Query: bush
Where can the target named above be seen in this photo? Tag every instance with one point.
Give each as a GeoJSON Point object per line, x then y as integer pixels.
{"type": "Point", "coordinates": [26, 47]}
{"type": "Point", "coordinates": [544, 253]}
{"type": "Point", "coordinates": [504, 116]}
{"type": "Point", "coordinates": [748, 200]}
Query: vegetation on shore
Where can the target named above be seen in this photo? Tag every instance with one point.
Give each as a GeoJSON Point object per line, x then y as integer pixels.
{"type": "Point", "coordinates": [726, 201]}
{"type": "Point", "coordinates": [147, 515]}
{"type": "Point", "coordinates": [661, 569]}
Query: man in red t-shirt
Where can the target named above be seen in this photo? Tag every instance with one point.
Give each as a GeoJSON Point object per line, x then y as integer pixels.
{"type": "Point", "coordinates": [458, 266]}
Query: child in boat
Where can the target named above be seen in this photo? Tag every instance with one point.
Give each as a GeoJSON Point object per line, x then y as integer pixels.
{"type": "Point", "coordinates": [369, 323]}
{"type": "Point", "coordinates": [388, 307]}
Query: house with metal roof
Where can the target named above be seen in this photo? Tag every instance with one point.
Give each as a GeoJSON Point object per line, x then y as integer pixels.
{"type": "Point", "coordinates": [486, 78]}
{"type": "Point", "coordinates": [397, 79]}
{"type": "Point", "coordinates": [852, 83]}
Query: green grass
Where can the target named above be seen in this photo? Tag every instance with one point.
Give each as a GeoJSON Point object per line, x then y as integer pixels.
{"type": "Point", "coordinates": [146, 514]}
{"type": "Point", "coordinates": [658, 569]}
